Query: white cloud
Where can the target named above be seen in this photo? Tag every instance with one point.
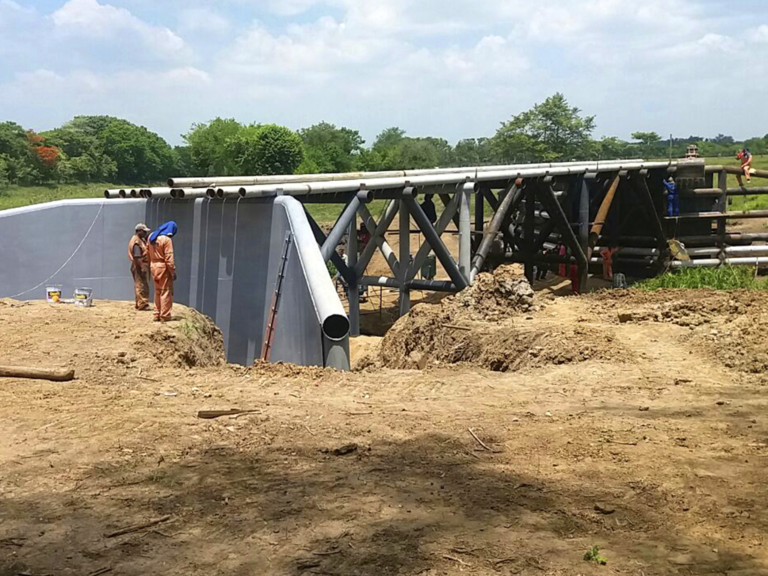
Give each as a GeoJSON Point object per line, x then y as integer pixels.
{"type": "Point", "coordinates": [203, 21]}
{"type": "Point", "coordinates": [719, 42]}
{"type": "Point", "coordinates": [451, 68]}
{"type": "Point", "coordinates": [759, 34]}
{"type": "Point", "coordinates": [89, 19]}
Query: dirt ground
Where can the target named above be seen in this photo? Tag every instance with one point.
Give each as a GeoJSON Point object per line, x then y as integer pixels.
{"type": "Point", "coordinates": [630, 421]}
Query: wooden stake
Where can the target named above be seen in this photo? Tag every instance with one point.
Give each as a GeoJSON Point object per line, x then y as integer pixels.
{"type": "Point", "coordinates": [54, 374]}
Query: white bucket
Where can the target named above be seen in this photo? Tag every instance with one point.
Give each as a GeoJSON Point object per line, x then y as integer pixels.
{"type": "Point", "coordinates": [84, 297]}
{"type": "Point", "coordinates": [53, 293]}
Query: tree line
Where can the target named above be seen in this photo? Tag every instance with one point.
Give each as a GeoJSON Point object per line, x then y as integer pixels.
{"type": "Point", "coordinates": [108, 149]}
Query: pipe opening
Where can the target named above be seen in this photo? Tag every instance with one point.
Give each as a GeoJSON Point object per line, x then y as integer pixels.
{"type": "Point", "coordinates": [336, 327]}
{"type": "Point", "coordinates": [107, 194]}
{"type": "Point", "coordinates": [210, 193]}
{"type": "Point", "coordinates": [220, 194]}
{"type": "Point", "coordinates": [148, 194]}
{"type": "Point", "coordinates": [122, 194]}
{"type": "Point", "coordinates": [134, 193]}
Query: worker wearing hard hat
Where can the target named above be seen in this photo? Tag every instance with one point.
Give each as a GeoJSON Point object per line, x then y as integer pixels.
{"type": "Point", "coordinates": [163, 268]}
{"type": "Point", "coordinates": [137, 254]}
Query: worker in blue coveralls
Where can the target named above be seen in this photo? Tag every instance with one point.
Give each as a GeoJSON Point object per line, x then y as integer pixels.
{"type": "Point", "coordinates": [673, 197]}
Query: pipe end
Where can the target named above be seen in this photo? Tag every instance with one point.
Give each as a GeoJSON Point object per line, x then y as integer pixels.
{"type": "Point", "coordinates": [336, 327]}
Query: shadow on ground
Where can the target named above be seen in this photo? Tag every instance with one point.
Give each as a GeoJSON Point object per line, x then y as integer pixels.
{"type": "Point", "coordinates": [429, 504]}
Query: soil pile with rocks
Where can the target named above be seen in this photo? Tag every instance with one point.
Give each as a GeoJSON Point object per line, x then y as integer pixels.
{"type": "Point", "coordinates": [191, 340]}
{"type": "Point", "coordinates": [491, 324]}
{"type": "Point", "coordinates": [730, 325]}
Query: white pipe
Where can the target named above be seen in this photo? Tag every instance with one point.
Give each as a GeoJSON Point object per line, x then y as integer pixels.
{"type": "Point", "coordinates": [760, 261]}
{"type": "Point", "coordinates": [301, 189]}
{"type": "Point", "coordinates": [300, 186]}
{"type": "Point", "coordinates": [225, 181]}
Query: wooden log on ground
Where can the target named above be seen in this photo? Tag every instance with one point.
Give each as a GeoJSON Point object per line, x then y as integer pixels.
{"type": "Point", "coordinates": [54, 374]}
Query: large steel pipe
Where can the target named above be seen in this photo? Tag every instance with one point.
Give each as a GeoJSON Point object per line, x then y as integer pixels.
{"type": "Point", "coordinates": [292, 187]}
{"type": "Point", "coordinates": [214, 181]}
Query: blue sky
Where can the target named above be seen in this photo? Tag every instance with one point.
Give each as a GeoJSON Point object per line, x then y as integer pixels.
{"type": "Point", "coordinates": [449, 68]}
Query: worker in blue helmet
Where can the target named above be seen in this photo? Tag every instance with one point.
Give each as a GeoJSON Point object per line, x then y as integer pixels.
{"type": "Point", "coordinates": [673, 197]}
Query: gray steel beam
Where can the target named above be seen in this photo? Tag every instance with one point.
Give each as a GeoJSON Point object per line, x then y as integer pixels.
{"type": "Point", "coordinates": [479, 218]}
{"type": "Point", "coordinates": [425, 285]}
{"type": "Point", "coordinates": [446, 199]}
{"type": "Point", "coordinates": [442, 223]}
{"type": "Point", "coordinates": [435, 242]}
{"type": "Point", "coordinates": [346, 273]}
{"type": "Point", "coordinates": [528, 224]}
{"type": "Point", "coordinates": [556, 212]}
{"type": "Point", "coordinates": [390, 211]}
{"type": "Point", "coordinates": [584, 215]}
{"type": "Point", "coordinates": [465, 231]}
{"type": "Point", "coordinates": [640, 185]}
{"type": "Point", "coordinates": [379, 240]}
{"type": "Point", "coordinates": [510, 200]}
{"type": "Point", "coordinates": [340, 228]}
{"type": "Point", "coordinates": [405, 255]}
{"type": "Point", "coordinates": [353, 295]}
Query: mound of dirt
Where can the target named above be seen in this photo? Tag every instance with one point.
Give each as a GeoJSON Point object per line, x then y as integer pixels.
{"type": "Point", "coordinates": [680, 307]}
{"type": "Point", "coordinates": [95, 340]}
{"type": "Point", "coordinates": [730, 325]}
{"type": "Point", "coordinates": [484, 325]}
{"type": "Point", "coordinates": [494, 296]}
{"type": "Point", "coordinates": [191, 340]}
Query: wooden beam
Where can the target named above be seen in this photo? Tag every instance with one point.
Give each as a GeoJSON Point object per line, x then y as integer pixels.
{"type": "Point", "coordinates": [602, 215]}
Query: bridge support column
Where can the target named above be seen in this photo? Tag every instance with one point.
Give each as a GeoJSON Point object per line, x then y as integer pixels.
{"type": "Point", "coordinates": [353, 294]}
{"type": "Point", "coordinates": [465, 231]}
{"type": "Point", "coordinates": [584, 231]}
{"type": "Point", "coordinates": [405, 256]}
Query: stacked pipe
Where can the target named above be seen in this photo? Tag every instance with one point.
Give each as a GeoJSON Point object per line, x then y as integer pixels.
{"type": "Point", "coordinates": [309, 185]}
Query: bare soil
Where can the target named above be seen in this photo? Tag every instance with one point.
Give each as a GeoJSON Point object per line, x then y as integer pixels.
{"type": "Point", "coordinates": [652, 448]}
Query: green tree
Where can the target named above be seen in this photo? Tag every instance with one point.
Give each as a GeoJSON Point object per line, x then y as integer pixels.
{"type": "Point", "coordinates": [551, 131]}
{"type": "Point", "coordinates": [611, 148]}
{"type": "Point", "coordinates": [388, 139]}
{"type": "Point", "coordinates": [650, 144]}
{"type": "Point", "coordinates": [330, 149]}
{"type": "Point", "coordinates": [140, 155]}
{"type": "Point", "coordinates": [413, 153]}
{"type": "Point", "coordinates": [208, 147]}
{"type": "Point", "coordinates": [473, 152]}
{"type": "Point", "coordinates": [266, 150]}
{"type": "Point", "coordinates": [16, 156]}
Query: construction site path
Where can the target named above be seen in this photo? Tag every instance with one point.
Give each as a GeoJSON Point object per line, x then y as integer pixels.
{"type": "Point", "coordinates": [633, 422]}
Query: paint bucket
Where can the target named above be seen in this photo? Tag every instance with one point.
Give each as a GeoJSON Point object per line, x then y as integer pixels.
{"type": "Point", "coordinates": [84, 297]}
{"type": "Point", "coordinates": [53, 294]}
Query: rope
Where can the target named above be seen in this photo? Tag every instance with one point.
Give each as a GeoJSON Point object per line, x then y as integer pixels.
{"type": "Point", "coordinates": [68, 259]}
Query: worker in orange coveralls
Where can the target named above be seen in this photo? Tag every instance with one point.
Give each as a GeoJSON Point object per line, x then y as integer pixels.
{"type": "Point", "coordinates": [137, 254]}
{"type": "Point", "coordinates": [608, 254]}
{"type": "Point", "coordinates": [163, 269]}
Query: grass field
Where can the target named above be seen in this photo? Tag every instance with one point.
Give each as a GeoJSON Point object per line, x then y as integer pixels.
{"type": "Point", "coordinates": [15, 196]}
{"type": "Point", "coordinates": [725, 278]}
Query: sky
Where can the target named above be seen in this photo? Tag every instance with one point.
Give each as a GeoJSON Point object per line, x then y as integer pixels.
{"type": "Point", "coordinates": [447, 68]}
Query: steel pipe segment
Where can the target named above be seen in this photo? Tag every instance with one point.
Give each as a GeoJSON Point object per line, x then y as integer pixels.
{"type": "Point", "coordinates": [241, 181]}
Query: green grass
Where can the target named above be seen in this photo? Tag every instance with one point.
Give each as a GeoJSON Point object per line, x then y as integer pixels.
{"type": "Point", "coordinates": [726, 278]}
{"type": "Point", "coordinates": [744, 202]}
{"type": "Point", "coordinates": [16, 196]}
{"type": "Point", "coordinates": [593, 555]}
